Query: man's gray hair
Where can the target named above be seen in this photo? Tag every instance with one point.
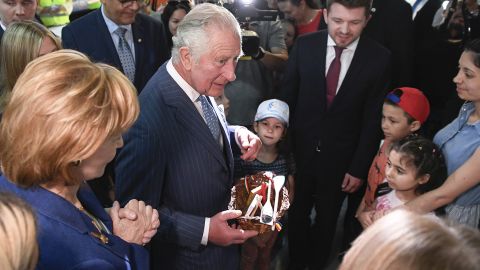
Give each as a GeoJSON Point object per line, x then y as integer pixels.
{"type": "Point", "coordinates": [194, 33]}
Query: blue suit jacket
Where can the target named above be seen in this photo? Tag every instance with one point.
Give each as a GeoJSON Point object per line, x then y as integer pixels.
{"type": "Point", "coordinates": [171, 161]}
{"type": "Point", "coordinates": [64, 233]}
{"type": "Point", "coordinates": [89, 34]}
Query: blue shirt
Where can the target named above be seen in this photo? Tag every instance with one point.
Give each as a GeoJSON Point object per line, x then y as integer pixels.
{"type": "Point", "coordinates": [458, 141]}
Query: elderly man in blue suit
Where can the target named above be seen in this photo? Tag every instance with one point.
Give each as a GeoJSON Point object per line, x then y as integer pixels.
{"type": "Point", "coordinates": [178, 157]}
{"type": "Point", "coordinates": [117, 34]}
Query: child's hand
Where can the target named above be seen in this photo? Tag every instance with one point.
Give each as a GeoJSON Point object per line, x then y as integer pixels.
{"type": "Point", "coordinates": [366, 218]}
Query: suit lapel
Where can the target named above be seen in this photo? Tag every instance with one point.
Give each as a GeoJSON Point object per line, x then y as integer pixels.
{"type": "Point", "coordinates": [320, 56]}
{"type": "Point", "coordinates": [187, 115]}
{"type": "Point", "coordinates": [225, 135]}
{"type": "Point", "coordinates": [351, 76]}
{"type": "Point", "coordinates": [139, 41]}
{"type": "Point", "coordinates": [110, 51]}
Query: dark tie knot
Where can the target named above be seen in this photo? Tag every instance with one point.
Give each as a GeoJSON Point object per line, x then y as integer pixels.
{"type": "Point", "coordinates": [338, 51]}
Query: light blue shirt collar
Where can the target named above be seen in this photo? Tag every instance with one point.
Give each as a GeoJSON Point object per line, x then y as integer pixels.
{"type": "Point", "coordinates": [111, 25]}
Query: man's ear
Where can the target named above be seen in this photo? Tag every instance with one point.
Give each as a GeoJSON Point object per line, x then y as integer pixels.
{"type": "Point", "coordinates": [415, 126]}
{"type": "Point", "coordinates": [369, 17]}
{"type": "Point", "coordinates": [186, 58]}
{"type": "Point", "coordinates": [325, 15]}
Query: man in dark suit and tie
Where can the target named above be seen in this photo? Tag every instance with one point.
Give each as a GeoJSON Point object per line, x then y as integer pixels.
{"type": "Point", "coordinates": [335, 85]}
{"type": "Point", "coordinates": [16, 10]}
{"type": "Point", "coordinates": [117, 34]}
{"type": "Point", "coordinates": [177, 156]}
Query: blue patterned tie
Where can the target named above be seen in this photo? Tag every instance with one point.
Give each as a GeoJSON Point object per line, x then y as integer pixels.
{"type": "Point", "coordinates": [125, 54]}
{"type": "Point", "coordinates": [210, 118]}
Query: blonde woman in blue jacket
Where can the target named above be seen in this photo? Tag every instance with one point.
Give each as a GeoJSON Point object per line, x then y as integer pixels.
{"type": "Point", "coordinates": [61, 126]}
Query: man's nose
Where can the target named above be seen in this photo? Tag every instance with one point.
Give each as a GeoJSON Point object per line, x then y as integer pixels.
{"type": "Point", "coordinates": [344, 28]}
{"type": "Point", "coordinates": [135, 5]}
{"type": "Point", "coordinates": [19, 10]}
{"type": "Point", "coordinates": [229, 72]}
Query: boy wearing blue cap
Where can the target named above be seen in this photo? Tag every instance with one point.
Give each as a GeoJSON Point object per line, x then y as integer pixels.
{"type": "Point", "coordinates": [271, 122]}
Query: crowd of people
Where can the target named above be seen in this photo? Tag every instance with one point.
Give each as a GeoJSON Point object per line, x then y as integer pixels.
{"type": "Point", "coordinates": [121, 140]}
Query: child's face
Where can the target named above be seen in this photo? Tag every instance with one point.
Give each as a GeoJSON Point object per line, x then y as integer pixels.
{"type": "Point", "coordinates": [395, 124]}
{"type": "Point", "coordinates": [270, 130]}
{"type": "Point", "coordinates": [400, 175]}
{"type": "Point", "coordinates": [289, 34]}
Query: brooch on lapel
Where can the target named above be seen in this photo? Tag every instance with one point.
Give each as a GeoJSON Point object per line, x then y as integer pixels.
{"type": "Point", "coordinates": [98, 225]}
{"type": "Point", "coordinates": [99, 234]}
{"type": "Point", "coordinates": [100, 237]}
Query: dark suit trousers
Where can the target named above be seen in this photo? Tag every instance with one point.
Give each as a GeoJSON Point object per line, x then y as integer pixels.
{"type": "Point", "coordinates": [311, 244]}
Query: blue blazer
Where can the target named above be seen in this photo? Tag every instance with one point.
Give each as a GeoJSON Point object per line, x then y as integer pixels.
{"type": "Point", "coordinates": [171, 161]}
{"type": "Point", "coordinates": [89, 34]}
{"type": "Point", "coordinates": [64, 233]}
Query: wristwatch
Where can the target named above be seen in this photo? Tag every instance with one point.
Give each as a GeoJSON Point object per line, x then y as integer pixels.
{"type": "Point", "coordinates": [260, 54]}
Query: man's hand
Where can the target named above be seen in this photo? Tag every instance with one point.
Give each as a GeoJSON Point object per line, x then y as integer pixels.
{"type": "Point", "coordinates": [220, 233]}
{"type": "Point", "coordinates": [350, 183]}
{"type": "Point", "coordinates": [249, 143]}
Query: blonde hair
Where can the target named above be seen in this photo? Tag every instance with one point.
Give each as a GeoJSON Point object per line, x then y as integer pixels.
{"type": "Point", "coordinates": [18, 234]}
{"type": "Point", "coordinates": [404, 240]}
{"type": "Point", "coordinates": [21, 44]}
{"type": "Point", "coordinates": [62, 109]}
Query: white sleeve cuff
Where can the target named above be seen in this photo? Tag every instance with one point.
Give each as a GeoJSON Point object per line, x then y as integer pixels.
{"type": "Point", "coordinates": [206, 229]}
{"type": "Point", "coordinates": [237, 129]}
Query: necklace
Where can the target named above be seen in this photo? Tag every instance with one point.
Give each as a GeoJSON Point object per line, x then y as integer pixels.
{"type": "Point", "coordinates": [98, 224]}
{"type": "Point", "coordinates": [315, 12]}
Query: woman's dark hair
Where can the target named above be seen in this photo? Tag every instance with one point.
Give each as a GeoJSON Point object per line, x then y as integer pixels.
{"type": "Point", "coordinates": [474, 47]}
{"type": "Point", "coordinates": [426, 157]}
{"type": "Point", "coordinates": [167, 13]}
{"type": "Point", "coordinates": [310, 3]}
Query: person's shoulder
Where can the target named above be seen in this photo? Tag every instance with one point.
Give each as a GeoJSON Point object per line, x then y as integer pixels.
{"type": "Point", "coordinates": [87, 20]}
{"type": "Point", "coordinates": [313, 38]}
{"type": "Point", "coordinates": [373, 47]}
{"type": "Point", "coordinates": [158, 88]}
{"type": "Point", "coordinates": [148, 21]}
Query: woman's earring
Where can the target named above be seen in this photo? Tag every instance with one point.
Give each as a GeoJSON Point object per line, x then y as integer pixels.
{"type": "Point", "coordinates": [77, 162]}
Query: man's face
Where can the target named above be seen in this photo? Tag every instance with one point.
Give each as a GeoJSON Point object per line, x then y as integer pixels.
{"type": "Point", "coordinates": [17, 10]}
{"type": "Point", "coordinates": [119, 13]}
{"type": "Point", "coordinates": [216, 67]}
{"type": "Point", "coordinates": [345, 25]}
